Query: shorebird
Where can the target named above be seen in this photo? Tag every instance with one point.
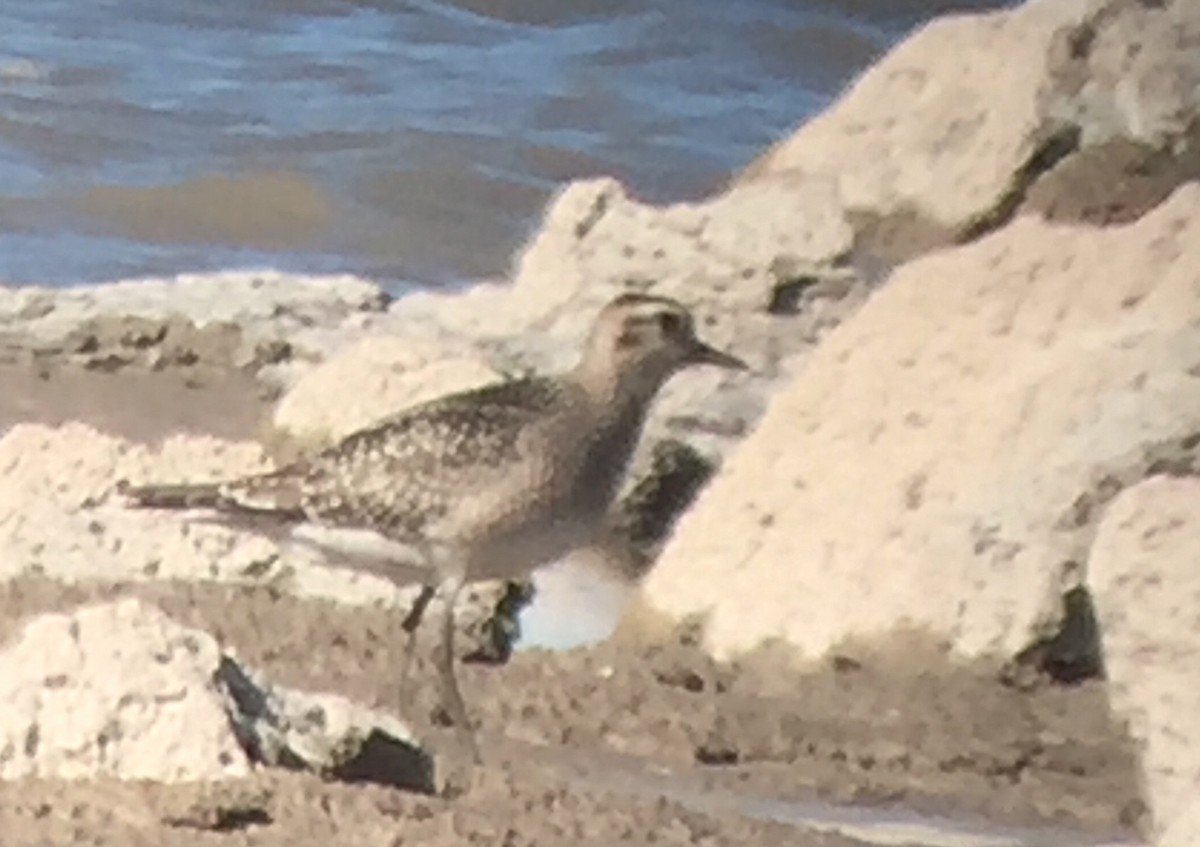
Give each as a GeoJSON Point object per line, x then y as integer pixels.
{"type": "Point", "coordinates": [489, 483]}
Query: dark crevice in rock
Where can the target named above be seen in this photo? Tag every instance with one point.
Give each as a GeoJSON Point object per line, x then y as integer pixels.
{"type": "Point", "coordinates": [250, 708]}
{"type": "Point", "coordinates": [232, 820]}
{"type": "Point", "coordinates": [269, 730]}
{"type": "Point", "coordinates": [1169, 457]}
{"type": "Point", "coordinates": [717, 752]}
{"type": "Point", "coordinates": [376, 762]}
{"type": "Point", "coordinates": [223, 819]}
{"type": "Point", "coordinates": [112, 342]}
{"type": "Point", "coordinates": [796, 289]}
{"type": "Point", "coordinates": [1073, 652]}
{"type": "Point", "coordinates": [788, 294]}
{"type": "Point", "coordinates": [1070, 655]}
{"type": "Point", "coordinates": [1178, 456]}
{"type": "Point", "coordinates": [1114, 182]}
{"type": "Point", "coordinates": [594, 215]}
{"type": "Point", "coordinates": [645, 516]}
{"type": "Point", "coordinates": [1080, 40]}
{"type": "Point", "coordinates": [500, 632]}
{"type": "Point", "coordinates": [1060, 144]}
{"type": "Point", "coordinates": [1085, 509]}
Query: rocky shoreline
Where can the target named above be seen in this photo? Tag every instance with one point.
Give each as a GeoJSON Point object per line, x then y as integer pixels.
{"type": "Point", "coordinates": [939, 559]}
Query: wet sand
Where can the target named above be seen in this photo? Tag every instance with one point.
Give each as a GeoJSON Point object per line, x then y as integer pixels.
{"type": "Point", "coordinates": [595, 745]}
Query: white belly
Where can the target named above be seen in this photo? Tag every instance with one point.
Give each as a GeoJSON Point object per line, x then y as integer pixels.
{"type": "Point", "coordinates": [518, 553]}
{"type": "Point", "coordinates": [511, 556]}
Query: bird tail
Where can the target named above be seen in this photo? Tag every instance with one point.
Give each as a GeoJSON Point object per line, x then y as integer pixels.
{"type": "Point", "coordinates": [204, 495]}
{"type": "Point", "coordinates": [274, 494]}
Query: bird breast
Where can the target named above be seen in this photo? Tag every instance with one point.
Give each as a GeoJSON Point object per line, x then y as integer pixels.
{"type": "Point", "coordinates": [568, 491]}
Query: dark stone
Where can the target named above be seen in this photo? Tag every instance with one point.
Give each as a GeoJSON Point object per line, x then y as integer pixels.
{"type": "Point", "coordinates": [384, 760]}
{"type": "Point", "coordinates": [1069, 656]}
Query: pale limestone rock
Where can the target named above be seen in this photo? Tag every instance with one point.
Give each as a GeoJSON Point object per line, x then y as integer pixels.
{"type": "Point", "coordinates": [376, 377]}
{"type": "Point", "coordinates": [120, 690]}
{"type": "Point", "coordinates": [321, 732]}
{"type": "Point", "coordinates": [246, 297]}
{"type": "Point", "coordinates": [596, 236]}
{"type": "Point", "coordinates": [966, 111]}
{"type": "Point", "coordinates": [1146, 586]}
{"type": "Point", "coordinates": [1133, 70]}
{"type": "Point", "coordinates": [1183, 830]}
{"type": "Point", "coordinates": [922, 467]}
{"type": "Point", "coordinates": [58, 518]}
{"type": "Point", "coordinates": [114, 690]}
{"type": "Point", "coordinates": [942, 123]}
{"type": "Point", "coordinates": [267, 305]}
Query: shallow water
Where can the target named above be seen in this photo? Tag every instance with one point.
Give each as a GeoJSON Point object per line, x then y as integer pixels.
{"type": "Point", "coordinates": [408, 141]}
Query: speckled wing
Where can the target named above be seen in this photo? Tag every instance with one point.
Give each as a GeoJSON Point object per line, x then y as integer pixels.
{"type": "Point", "coordinates": [432, 471]}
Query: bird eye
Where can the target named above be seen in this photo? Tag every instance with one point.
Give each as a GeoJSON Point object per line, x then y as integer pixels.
{"type": "Point", "coordinates": [670, 323]}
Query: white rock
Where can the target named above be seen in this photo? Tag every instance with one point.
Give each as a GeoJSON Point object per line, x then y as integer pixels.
{"type": "Point", "coordinates": [925, 129]}
{"type": "Point", "coordinates": [267, 305]}
{"type": "Point", "coordinates": [57, 518]}
{"type": "Point", "coordinates": [321, 732]}
{"type": "Point", "coordinates": [942, 126]}
{"type": "Point", "coordinates": [1146, 585]}
{"type": "Point", "coordinates": [596, 238]}
{"type": "Point", "coordinates": [376, 377]}
{"type": "Point", "coordinates": [920, 467]}
{"type": "Point", "coordinates": [120, 690]}
{"type": "Point", "coordinates": [114, 690]}
{"type": "Point", "coordinates": [1141, 74]}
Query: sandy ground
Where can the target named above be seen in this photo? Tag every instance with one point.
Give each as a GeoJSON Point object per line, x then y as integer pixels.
{"type": "Point", "coordinates": [622, 743]}
{"type": "Point", "coordinates": [138, 404]}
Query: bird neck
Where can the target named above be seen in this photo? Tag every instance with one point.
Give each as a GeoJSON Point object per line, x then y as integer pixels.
{"type": "Point", "coordinates": [616, 412]}
{"type": "Point", "coordinates": [626, 392]}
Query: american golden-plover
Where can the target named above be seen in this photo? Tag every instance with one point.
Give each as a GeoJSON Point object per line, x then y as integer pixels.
{"type": "Point", "coordinates": [483, 484]}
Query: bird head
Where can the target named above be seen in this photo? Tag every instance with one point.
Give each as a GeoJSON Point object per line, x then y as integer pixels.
{"type": "Point", "coordinates": [643, 340]}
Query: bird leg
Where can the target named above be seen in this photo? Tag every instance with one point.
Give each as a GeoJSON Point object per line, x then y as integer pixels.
{"type": "Point", "coordinates": [410, 624]}
{"type": "Point", "coordinates": [444, 660]}
{"type": "Point", "coordinates": [413, 619]}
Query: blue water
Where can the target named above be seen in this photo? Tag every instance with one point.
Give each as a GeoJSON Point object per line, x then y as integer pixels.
{"type": "Point", "coordinates": [407, 141]}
